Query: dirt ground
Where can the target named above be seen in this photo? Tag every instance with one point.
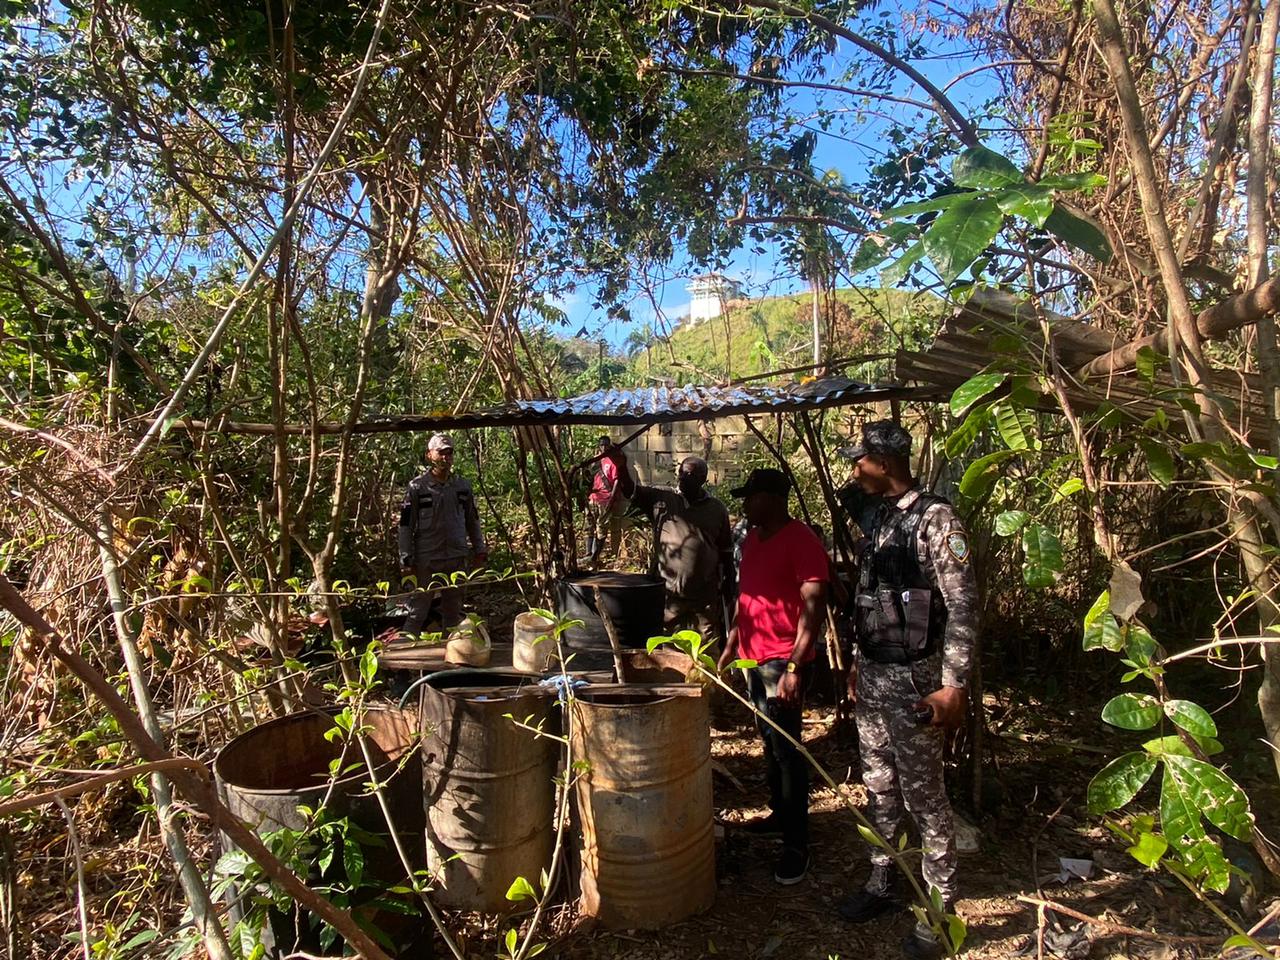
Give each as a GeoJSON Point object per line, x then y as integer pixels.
{"type": "Point", "coordinates": [1037, 816]}
{"type": "Point", "coordinates": [1040, 754]}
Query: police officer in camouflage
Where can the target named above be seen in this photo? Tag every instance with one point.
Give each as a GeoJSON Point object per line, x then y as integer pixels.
{"type": "Point", "coordinates": [439, 535]}
{"type": "Point", "coordinates": [916, 622]}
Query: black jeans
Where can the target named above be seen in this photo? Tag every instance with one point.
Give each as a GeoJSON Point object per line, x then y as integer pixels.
{"type": "Point", "coordinates": [786, 769]}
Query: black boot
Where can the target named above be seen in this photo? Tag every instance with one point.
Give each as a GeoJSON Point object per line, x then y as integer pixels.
{"type": "Point", "coordinates": [877, 898]}
{"type": "Point", "coordinates": [923, 943]}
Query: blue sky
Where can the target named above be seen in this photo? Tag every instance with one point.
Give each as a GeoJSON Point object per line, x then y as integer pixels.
{"type": "Point", "coordinates": [850, 154]}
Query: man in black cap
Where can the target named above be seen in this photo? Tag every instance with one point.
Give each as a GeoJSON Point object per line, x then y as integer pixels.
{"type": "Point", "coordinates": [916, 625]}
{"type": "Point", "coordinates": [439, 535]}
{"type": "Point", "coordinates": [782, 586]}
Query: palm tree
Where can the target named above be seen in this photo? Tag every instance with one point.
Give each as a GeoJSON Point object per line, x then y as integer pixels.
{"type": "Point", "coordinates": [638, 339]}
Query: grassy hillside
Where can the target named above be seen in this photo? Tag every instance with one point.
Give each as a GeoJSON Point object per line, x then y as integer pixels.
{"type": "Point", "coordinates": [777, 333]}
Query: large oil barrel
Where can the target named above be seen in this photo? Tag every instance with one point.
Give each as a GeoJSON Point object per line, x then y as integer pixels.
{"type": "Point", "coordinates": [634, 603]}
{"type": "Point", "coordinates": [265, 774]}
{"type": "Point", "coordinates": [648, 841]}
{"type": "Point", "coordinates": [489, 784]}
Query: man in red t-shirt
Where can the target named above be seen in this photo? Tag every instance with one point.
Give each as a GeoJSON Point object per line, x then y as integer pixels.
{"type": "Point", "coordinates": [782, 584]}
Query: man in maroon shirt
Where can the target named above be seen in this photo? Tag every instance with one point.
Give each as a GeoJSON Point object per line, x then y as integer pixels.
{"type": "Point", "coordinates": [782, 586]}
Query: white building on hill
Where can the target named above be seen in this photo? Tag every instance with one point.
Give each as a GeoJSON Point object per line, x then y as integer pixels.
{"type": "Point", "coordinates": [710, 293]}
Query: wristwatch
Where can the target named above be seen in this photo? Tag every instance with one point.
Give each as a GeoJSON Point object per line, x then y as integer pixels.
{"type": "Point", "coordinates": [792, 666]}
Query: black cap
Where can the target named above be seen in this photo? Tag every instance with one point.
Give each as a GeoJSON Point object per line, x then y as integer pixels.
{"type": "Point", "coordinates": [764, 480]}
{"type": "Point", "coordinates": [884, 437]}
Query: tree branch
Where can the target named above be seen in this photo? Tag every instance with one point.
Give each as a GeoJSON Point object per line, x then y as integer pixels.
{"type": "Point", "coordinates": [1211, 323]}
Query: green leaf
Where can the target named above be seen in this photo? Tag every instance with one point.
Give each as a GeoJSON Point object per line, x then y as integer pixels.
{"type": "Point", "coordinates": [1191, 717]}
{"type": "Point", "coordinates": [963, 436]}
{"type": "Point", "coordinates": [1119, 781]}
{"type": "Point", "coordinates": [1218, 797]}
{"type": "Point", "coordinates": [960, 233]}
{"type": "Point", "coordinates": [893, 273]}
{"type": "Point", "coordinates": [1173, 744]}
{"type": "Point", "coordinates": [1264, 461]}
{"type": "Point", "coordinates": [1179, 816]}
{"type": "Point", "coordinates": [1016, 426]}
{"type": "Point", "coordinates": [1202, 450]}
{"type": "Point", "coordinates": [369, 665]}
{"type": "Point", "coordinates": [982, 473]}
{"type": "Point", "coordinates": [941, 202]}
{"type": "Point", "coordinates": [1042, 552]}
{"type": "Point", "coordinates": [1073, 181]}
{"type": "Point", "coordinates": [138, 939]}
{"type": "Point", "coordinates": [1068, 488]}
{"type": "Point", "coordinates": [1139, 645]}
{"type": "Point", "coordinates": [1204, 860]}
{"type": "Point", "coordinates": [1024, 391]}
{"type": "Point", "coordinates": [511, 939]}
{"type": "Point", "coordinates": [1132, 711]}
{"type": "Point", "coordinates": [521, 889]}
{"type": "Point", "coordinates": [1100, 606]}
{"type": "Point", "coordinates": [1159, 460]}
{"type": "Point", "coordinates": [1010, 522]}
{"type": "Point", "coordinates": [353, 861]}
{"type": "Point", "coordinates": [1032, 203]}
{"type": "Point", "coordinates": [1104, 633]}
{"type": "Point", "coordinates": [1149, 849]}
{"type": "Point", "coordinates": [871, 837]}
{"type": "Point", "coordinates": [1145, 363]}
{"type": "Point", "coordinates": [956, 932]}
{"type": "Point", "coordinates": [980, 167]}
{"type": "Point", "coordinates": [744, 663]}
{"type": "Point", "coordinates": [972, 390]}
{"type": "Point", "coordinates": [879, 245]}
{"type": "Point", "coordinates": [1079, 233]}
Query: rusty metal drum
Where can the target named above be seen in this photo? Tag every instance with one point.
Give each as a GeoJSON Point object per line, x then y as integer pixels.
{"type": "Point", "coordinates": [263, 775]}
{"type": "Point", "coordinates": [489, 783]}
{"type": "Point", "coordinates": [648, 840]}
{"type": "Point", "coordinates": [267, 773]}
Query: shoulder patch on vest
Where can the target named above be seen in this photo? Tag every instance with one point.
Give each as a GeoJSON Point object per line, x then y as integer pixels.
{"type": "Point", "coordinates": [958, 544]}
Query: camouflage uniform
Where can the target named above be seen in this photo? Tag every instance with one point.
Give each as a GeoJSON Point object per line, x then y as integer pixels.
{"type": "Point", "coordinates": [439, 528]}
{"type": "Point", "coordinates": [902, 759]}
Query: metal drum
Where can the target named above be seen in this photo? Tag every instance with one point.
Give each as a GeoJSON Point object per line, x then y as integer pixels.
{"type": "Point", "coordinates": [648, 841]}
{"type": "Point", "coordinates": [265, 774]}
{"type": "Point", "coordinates": [633, 601]}
{"type": "Point", "coordinates": [490, 785]}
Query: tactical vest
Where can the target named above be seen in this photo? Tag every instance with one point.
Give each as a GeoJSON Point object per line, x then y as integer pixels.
{"type": "Point", "coordinates": [900, 617]}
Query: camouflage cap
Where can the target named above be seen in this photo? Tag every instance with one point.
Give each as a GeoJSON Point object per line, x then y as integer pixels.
{"type": "Point", "coordinates": [884, 437]}
{"type": "Point", "coordinates": [440, 441]}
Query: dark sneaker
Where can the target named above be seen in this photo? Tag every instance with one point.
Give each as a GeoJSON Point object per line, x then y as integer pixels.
{"type": "Point", "coordinates": [922, 944]}
{"type": "Point", "coordinates": [864, 906]}
{"type": "Point", "coordinates": [875, 899]}
{"type": "Point", "coordinates": [792, 866]}
{"type": "Point", "coordinates": [769, 827]}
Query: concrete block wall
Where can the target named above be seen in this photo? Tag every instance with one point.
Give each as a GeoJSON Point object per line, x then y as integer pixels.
{"type": "Point", "coordinates": [657, 453]}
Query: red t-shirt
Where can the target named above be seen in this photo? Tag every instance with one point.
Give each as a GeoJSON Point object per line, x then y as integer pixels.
{"type": "Point", "coordinates": [769, 582]}
{"type": "Point", "coordinates": [603, 481]}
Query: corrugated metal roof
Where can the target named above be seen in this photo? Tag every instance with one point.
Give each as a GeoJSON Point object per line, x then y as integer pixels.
{"type": "Point", "coordinates": [646, 402]}
{"type": "Point", "coordinates": [638, 405]}
{"type": "Point", "coordinates": [964, 347]}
